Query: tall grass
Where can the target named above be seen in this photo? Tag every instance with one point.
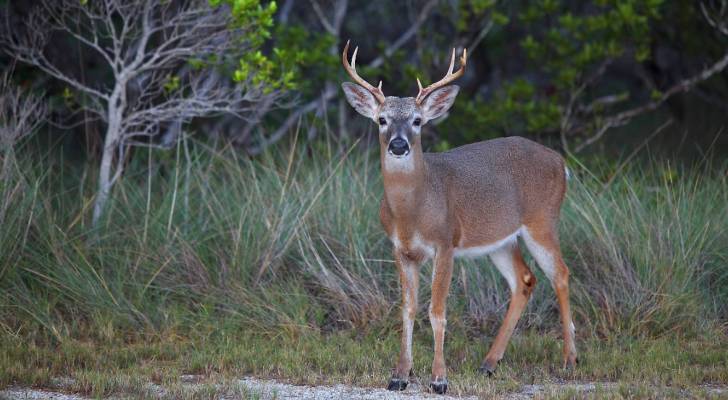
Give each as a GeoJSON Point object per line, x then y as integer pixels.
{"type": "Point", "coordinates": [291, 242]}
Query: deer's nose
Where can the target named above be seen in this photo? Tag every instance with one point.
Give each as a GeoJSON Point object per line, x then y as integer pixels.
{"type": "Point", "coordinates": [398, 146]}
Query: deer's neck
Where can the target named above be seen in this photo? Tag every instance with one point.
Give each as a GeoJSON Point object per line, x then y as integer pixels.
{"type": "Point", "coordinates": [404, 183]}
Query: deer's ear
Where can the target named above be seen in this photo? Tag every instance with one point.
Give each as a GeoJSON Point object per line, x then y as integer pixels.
{"type": "Point", "coordinates": [361, 99]}
{"type": "Point", "coordinates": [439, 101]}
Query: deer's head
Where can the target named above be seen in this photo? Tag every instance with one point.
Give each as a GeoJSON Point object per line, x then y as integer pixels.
{"type": "Point", "coordinates": [400, 119]}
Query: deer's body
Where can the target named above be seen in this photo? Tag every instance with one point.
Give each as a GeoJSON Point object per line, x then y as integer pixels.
{"type": "Point", "coordinates": [474, 200]}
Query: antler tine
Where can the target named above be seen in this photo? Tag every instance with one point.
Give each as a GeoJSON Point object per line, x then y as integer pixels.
{"type": "Point", "coordinates": [452, 62]}
{"type": "Point", "coordinates": [351, 70]}
{"type": "Point", "coordinates": [353, 57]}
{"type": "Point", "coordinates": [449, 77]}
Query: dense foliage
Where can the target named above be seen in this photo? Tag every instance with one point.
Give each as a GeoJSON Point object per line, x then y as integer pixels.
{"type": "Point", "coordinates": [551, 68]}
{"type": "Point", "coordinates": [560, 70]}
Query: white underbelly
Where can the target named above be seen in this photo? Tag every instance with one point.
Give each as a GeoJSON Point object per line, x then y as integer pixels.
{"type": "Point", "coordinates": [479, 251]}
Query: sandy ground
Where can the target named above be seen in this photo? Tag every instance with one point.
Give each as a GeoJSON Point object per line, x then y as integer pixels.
{"type": "Point", "coordinates": [270, 389]}
{"type": "Point", "coordinates": [265, 389]}
{"type": "Point", "coordinates": [35, 394]}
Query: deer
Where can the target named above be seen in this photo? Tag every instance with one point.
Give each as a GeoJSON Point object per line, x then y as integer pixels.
{"type": "Point", "coordinates": [471, 201]}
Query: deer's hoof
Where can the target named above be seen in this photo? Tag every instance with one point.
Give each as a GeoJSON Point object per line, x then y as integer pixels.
{"type": "Point", "coordinates": [397, 384]}
{"type": "Point", "coordinates": [488, 367]}
{"type": "Point", "coordinates": [571, 362]}
{"type": "Point", "coordinates": [439, 386]}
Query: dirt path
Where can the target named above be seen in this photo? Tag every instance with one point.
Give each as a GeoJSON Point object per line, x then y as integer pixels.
{"type": "Point", "coordinates": [270, 389]}
{"type": "Point", "coordinates": [35, 394]}
{"type": "Point", "coordinates": [260, 388]}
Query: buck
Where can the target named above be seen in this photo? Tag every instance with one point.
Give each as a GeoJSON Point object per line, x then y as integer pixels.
{"type": "Point", "coordinates": [474, 200]}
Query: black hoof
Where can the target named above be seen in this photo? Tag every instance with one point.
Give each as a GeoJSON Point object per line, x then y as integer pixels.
{"type": "Point", "coordinates": [397, 384]}
{"type": "Point", "coordinates": [487, 369]}
{"type": "Point", "coordinates": [439, 387]}
{"type": "Point", "coordinates": [571, 365]}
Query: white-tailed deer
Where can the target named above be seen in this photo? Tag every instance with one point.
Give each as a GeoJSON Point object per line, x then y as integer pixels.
{"type": "Point", "coordinates": [470, 201]}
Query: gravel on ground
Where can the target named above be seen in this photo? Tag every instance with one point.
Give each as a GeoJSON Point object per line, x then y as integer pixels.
{"type": "Point", "coordinates": [272, 389]}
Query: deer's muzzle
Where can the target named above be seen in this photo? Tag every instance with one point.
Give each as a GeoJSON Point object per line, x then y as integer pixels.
{"type": "Point", "coordinates": [399, 147]}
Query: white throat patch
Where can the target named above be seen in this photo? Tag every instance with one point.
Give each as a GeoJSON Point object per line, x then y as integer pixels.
{"type": "Point", "coordinates": [399, 164]}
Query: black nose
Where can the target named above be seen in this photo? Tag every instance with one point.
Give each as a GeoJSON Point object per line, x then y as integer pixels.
{"type": "Point", "coordinates": [398, 146]}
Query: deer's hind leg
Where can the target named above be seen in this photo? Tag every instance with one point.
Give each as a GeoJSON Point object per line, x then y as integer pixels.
{"type": "Point", "coordinates": [543, 243]}
{"type": "Point", "coordinates": [509, 262]}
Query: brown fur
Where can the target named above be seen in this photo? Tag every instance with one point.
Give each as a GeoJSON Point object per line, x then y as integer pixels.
{"type": "Point", "coordinates": [475, 194]}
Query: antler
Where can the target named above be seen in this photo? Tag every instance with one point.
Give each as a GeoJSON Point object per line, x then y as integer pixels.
{"type": "Point", "coordinates": [449, 77]}
{"type": "Point", "coordinates": [351, 69]}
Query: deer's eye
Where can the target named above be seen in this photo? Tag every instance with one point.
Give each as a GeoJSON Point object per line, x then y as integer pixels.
{"type": "Point", "coordinates": [417, 122]}
{"type": "Point", "coordinates": [382, 121]}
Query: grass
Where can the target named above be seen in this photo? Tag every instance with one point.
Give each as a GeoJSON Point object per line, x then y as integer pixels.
{"type": "Point", "coordinates": [209, 263]}
{"type": "Point", "coordinates": [124, 365]}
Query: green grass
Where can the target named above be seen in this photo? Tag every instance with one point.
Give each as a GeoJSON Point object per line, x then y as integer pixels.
{"type": "Point", "coordinates": [127, 365]}
{"type": "Point", "coordinates": [209, 263]}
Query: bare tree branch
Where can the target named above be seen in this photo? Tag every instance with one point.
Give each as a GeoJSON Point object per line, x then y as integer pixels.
{"type": "Point", "coordinates": [285, 12]}
{"type": "Point", "coordinates": [715, 15]}
{"type": "Point", "coordinates": [21, 112]}
{"type": "Point", "coordinates": [624, 117]}
{"type": "Point", "coordinates": [322, 17]}
{"type": "Point", "coordinates": [147, 45]}
{"type": "Point", "coordinates": [473, 45]}
{"type": "Point", "coordinates": [406, 35]}
{"type": "Point", "coordinates": [292, 119]}
{"type": "Point", "coordinates": [719, 22]}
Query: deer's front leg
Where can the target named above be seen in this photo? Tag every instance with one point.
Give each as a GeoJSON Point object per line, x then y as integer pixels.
{"type": "Point", "coordinates": [441, 277]}
{"type": "Point", "coordinates": [409, 281]}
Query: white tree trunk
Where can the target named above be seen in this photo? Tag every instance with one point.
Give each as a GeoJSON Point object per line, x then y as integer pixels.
{"type": "Point", "coordinates": [104, 187]}
{"type": "Point", "coordinates": [111, 141]}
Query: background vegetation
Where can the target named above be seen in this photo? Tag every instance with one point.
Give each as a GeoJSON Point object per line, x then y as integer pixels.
{"type": "Point", "coordinates": [293, 243]}
{"type": "Point", "coordinates": [256, 224]}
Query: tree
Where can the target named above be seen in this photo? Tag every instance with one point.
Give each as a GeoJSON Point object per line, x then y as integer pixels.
{"type": "Point", "coordinates": [570, 91]}
{"type": "Point", "coordinates": [161, 57]}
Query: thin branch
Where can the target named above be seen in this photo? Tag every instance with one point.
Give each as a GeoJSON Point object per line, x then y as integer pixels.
{"type": "Point", "coordinates": [285, 12]}
{"type": "Point", "coordinates": [481, 35]}
{"type": "Point", "coordinates": [322, 17]}
{"type": "Point", "coordinates": [290, 121]}
{"type": "Point", "coordinates": [716, 23]}
{"type": "Point", "coordinates": [624, 117]}
{"type": "Point", "coordinates": [406, 36]}
{"type": "Point", "coordinates": [21, 112]}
